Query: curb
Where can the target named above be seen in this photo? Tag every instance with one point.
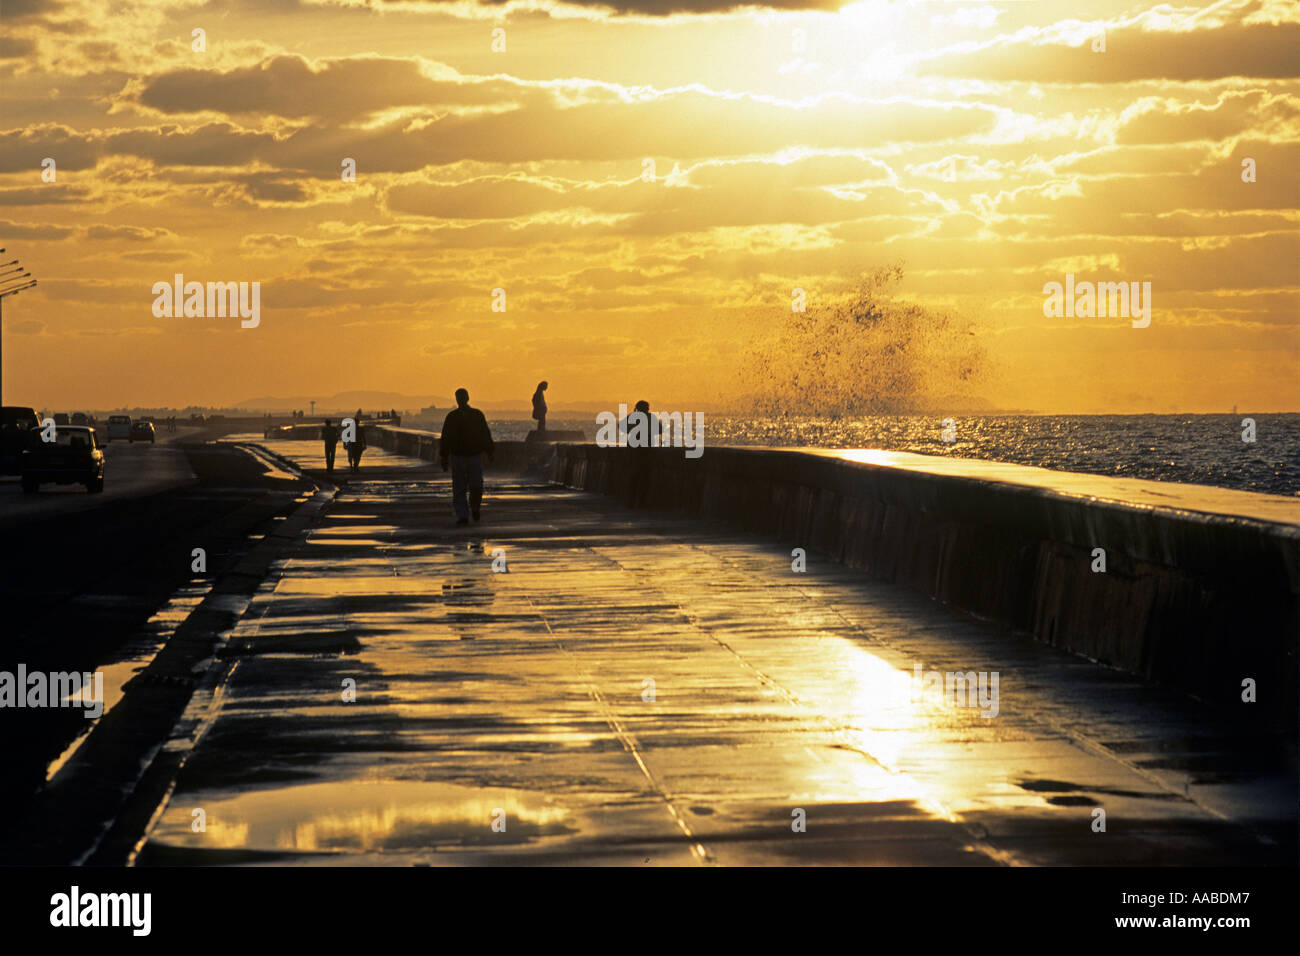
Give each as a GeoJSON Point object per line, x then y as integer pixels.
{"type": "Point", "coordinates": [96, 809]}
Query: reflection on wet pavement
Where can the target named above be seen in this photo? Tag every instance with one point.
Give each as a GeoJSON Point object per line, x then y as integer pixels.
{"type": "Point", "coordinates": [369, 817]}
{"type": "Point", "coordinates": [635, 689]}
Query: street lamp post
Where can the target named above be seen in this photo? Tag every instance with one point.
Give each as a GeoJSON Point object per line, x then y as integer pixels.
{"type": "Point", "coordinates": [12, 281]}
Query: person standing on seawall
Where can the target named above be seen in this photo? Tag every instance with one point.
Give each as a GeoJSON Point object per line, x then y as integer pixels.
{"type": "Point", "coordinates": [539, 407]}
{"type": "Point", "coordinates": [465, 439]}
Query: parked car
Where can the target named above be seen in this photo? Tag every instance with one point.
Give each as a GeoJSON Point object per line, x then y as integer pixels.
{"type": "Point", "coordinates": [18, 425]}
{"type": "Point", "coordinates": [61, 418]}
{"type": "Point", "coordinates": [74, 457]}
{"type": "Point", "coordinates": [80, 418]}
{"type": "Point", "coordinates": [142, 431]}
{"type": "Point", "coordinates": [119, 426]}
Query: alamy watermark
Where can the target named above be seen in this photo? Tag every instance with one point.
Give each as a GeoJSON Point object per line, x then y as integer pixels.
{"type": "Point", "coordinates": [57, 689]}
{"type": "Point", "coordinates": [1086, 300]}
{"type": "Point", "coordinates": [75, 908]}
{"type": "Point", "coordinates": [957, 689]}
{"type": "Point", "coordinates": [192, 300]}
{"type": "Point", "coordinates": [643, 429]}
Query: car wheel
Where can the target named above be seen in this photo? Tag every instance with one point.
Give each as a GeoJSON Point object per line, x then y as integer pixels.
{"type": "Point", "coordinates": [29, 487]}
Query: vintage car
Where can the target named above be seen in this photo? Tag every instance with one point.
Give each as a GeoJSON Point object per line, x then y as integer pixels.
{"type": "Point", "coordinates": [18, 424]}
{"type": "Point", "coordinates": [142, 430]}
{"type": "Point", "coordinates": [73, 457]}
{"type": "Point", "coordinates": [119, 426]}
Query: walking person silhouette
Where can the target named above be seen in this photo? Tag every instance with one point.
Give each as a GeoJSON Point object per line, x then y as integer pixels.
{"type": "Point", "coordinates": [465, 439]}
{"type": "Point", "coordinates": [357, 445]}
{"type": "Point", "coordinates": [330, 436]}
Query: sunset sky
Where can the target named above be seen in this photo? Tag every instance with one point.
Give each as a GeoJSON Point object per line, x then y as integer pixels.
{"type": "Point", "coordinates": [988, 147]}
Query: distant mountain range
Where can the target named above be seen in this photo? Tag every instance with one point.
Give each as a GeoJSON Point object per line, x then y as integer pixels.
{"type": "Point", "coordinates": [348, 401]}
{"type": "Point", "coordinates": [411, 405]}
{"type": "Point", "coordinates": [371, 400]}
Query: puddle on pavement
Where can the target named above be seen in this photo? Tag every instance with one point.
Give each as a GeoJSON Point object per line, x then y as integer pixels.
{"type": "Point", "coordinates": [334, 586]}
{"type": "Point", "coordinates": [471, 592]}
{"type": "Point", "coordinates": [1066, 794]}
{"type": "Point", "coordinates": [361, 816]}
{"type": "Point", "coordinates": [351, 530]}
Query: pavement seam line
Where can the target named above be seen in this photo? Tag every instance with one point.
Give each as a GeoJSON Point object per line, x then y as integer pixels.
{"type": "Point", "coordinates": [628, 741]}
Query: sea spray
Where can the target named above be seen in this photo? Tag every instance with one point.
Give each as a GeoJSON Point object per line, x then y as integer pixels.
{"type": "Point", "coordinates": [862, 354]}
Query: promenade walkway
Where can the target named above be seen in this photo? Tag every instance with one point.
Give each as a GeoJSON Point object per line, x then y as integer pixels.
{"type": "Point", "coordinates": [636, 689]}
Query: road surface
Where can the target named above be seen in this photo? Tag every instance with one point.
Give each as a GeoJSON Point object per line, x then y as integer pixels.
{"type": "Point", "coordinates": [130, 471]}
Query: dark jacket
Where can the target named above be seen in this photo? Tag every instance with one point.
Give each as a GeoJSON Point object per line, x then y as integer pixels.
{"type": "Point", "coordinates": [465, 432]}
{"type": "Point", "coordinates": [652, 429]}
{"type": "Point", "coordinates": [329, 434]}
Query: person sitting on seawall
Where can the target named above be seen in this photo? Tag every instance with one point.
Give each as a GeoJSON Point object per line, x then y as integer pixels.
{"type": "Point", "coordinates": [646, 429]}
{"type": "Point", "coordinates": [639, 432]}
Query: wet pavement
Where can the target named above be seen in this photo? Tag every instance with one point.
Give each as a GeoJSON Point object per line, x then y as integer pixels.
{"type": "Point", "coordinates": [573, 682]}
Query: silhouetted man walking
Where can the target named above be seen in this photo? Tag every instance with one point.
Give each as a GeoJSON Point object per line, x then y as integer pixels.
{"type": "Point", "coordinates": [330, 436]}
{"type": "Point", "coordinates": [465, 440]}
{"type": "Point", "coordinates": [355, 447]}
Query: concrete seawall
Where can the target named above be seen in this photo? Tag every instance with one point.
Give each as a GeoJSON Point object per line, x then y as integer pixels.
{"type": "Point", "coordinates": [1201, 588]}
{"type": "Point", "coordinates": [521, 457]}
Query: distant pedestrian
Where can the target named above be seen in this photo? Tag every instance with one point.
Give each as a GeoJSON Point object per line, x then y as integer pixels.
{"type": "Point", "coordinates": [539, 407]}
{"type": "Point", "coordinates": [355, 447]}
{"type": "Point", "coordinates": [640, 431]}
{"type": "Point", "coordinates": [330, 436]}
{"type": "Point", "coordinates": [465, 439]}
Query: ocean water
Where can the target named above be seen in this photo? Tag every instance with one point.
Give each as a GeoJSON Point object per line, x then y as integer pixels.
{"type": "Point", "coordinates": [1197, 449]}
